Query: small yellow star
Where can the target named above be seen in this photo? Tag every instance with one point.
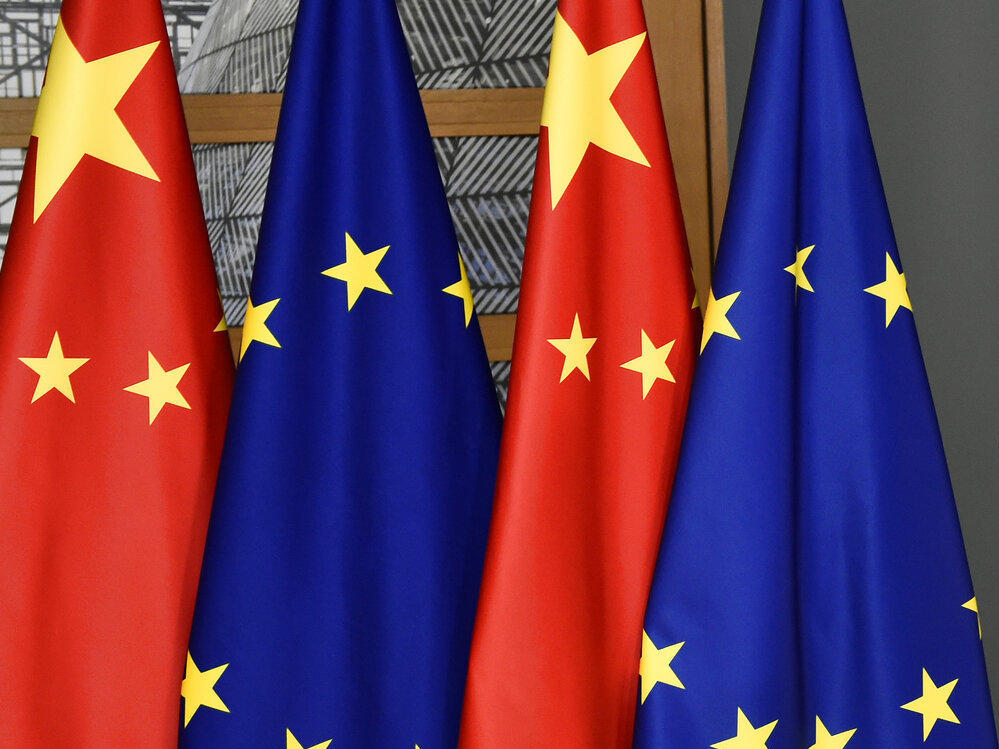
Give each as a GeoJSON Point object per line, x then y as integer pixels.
{"type": "Point", "coordinates": [463, 290]}
{"type": "Point", "coordinates": [651, 364]}
{"type": "Point", "coordinates": [53, 371]}
{"type": "Point", "coordinates": [797, 269]}
{"type": "Point", "coordinates": [716, 318]}
{"type": "Point", "coordinates": [655, 666]}
{"type": "Point", "coordinates": [933, 704]}
{"type": "Point", "coordinates": [161, 387]}
{"type": "Point", "coordinates": [198, 689]}
{"type": "Point", "coordinates": [892, 290]}
{"type": "Point", "coordinates": [294, 743]}
{"type": "Point", "coordinates": [972, 605]}
{"type": "Point", "coordinates": [359, 271]}
{"type": "Point", "coordinates": [747, 737]}
{"type": "Point", "coordinates": [574, 348]}
{"type": "Point", "coordinates": [825, 740]}
{"type": "Point", "coordinates": [255, 326]}
{"type": "Point", "coordinates": [76, 115]}
{"type": "Point", "coordinates": [578, 109]}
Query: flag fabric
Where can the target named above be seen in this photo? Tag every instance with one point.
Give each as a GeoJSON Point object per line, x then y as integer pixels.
{"type": "Point", "coordinates": [603, 358]}
{"type": "Point", "coordinates": [347, 540]}
{"type": "Point", "coordinates": [812, 589]}
{"type": "Point", "coordinates": [115, 377]}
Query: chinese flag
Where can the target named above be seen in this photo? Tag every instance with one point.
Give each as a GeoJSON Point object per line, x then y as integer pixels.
{"type": "Point", "coordinates": [115, 377]}
{"type": "Point", "coordinates": [603, 359]}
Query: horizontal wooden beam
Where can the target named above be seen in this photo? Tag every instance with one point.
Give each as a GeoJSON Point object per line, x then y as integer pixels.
{"type": "Point", "coordinates": [253, 118]}
{"type": "Point", "coordinates": [497, 331]}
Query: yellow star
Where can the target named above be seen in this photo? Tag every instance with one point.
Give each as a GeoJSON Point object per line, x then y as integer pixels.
{"type": "Point", "coordinates": [716, 319]}
{"type": "Point", "coordinates": [655, 666]}
{"type": "Point", "coordinates": [53, 371]}
{"type": "Point", "coordinates": [892, 290]}
{"type": "Point", "coordinates": [797, 269]}
{"type": "Point", "coordinates": [161, 387]}
{"type": "Point", "coordinates": [578, 109]}
{"type": "Point", "coordinates": [651, 364]}
{"type": "Point", "coordinates": [933, 704]}
{"type": "Point", "coordinates": [76, 115]}
{"type": "Point", "coordinates": [747, 737]}
{"type": "Point", "coordinates": [255, 326]}
{"type": "Point", "coordinates": [198, 689]}
{"type": "Point", "coordinates": [972, 605]}
{"type": "Point", "coordinates": [825, 740]}
{"type": "Point", "coordinates": [294, 743]}
{"type": "Point", "coordinates": [463, 290]}
{"type": "Point", "coordinates": [359, 271]}
{"type": "Point", "coordinates": [574, 348]}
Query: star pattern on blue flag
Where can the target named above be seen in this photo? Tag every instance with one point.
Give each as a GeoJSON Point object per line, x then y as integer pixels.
{"type": "Point", "coordinates": [812, 565]}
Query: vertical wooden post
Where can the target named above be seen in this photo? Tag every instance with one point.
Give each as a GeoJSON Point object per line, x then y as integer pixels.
{"type": "Point", "coordinates": [688, 47]}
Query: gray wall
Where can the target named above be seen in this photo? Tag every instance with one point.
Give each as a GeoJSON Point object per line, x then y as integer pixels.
{"type": "Point", "coordinates": [930, 74]}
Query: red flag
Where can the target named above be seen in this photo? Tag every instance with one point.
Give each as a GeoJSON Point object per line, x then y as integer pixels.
{"type": "Point", "coordinates": [114, 390]}
{"type": "Point", "coordinates": [603, 359]}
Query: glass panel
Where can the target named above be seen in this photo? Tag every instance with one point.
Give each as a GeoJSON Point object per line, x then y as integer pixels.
{"type": "Point", "coordinates": [243, 45]}
{"type": "Point", "coordinates": [26, 28]}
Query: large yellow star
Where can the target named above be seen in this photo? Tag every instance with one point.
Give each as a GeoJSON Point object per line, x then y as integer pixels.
{"type": "Point", "coordinates": [933, 704]}
{"type": "Point", "coordinates": [651, 364]}
{"type": "Point", "coordinates": [53, 371]}
{"type": "Point", "coordinates": [76, 115]}
{"type": "Point", "coordinates": [797, 269]}
{"type": "Point", "coordinates": [972, 605]}
{"type": "Point", "coordinates": [578, 109]}
{"type": "Point", "coordinates": [825, 740]}
{"type": "Point", "coordinates": [198, 689]}
{"type": "Point", "coordinates": [892, 290]}
{"type": "Point", "coordinates": [161, 387]}
{"type": "Point", "coordinates": [574, 349]}
{"type": "Point", "coordinates": [463, 290]}
{"type": "Point", "coordinates": [656, 665]}
{"type": "Point", "coordinates": [359, 271]}
{"type": "Point", "coordinates": [716, 318]}
{"type": "Point", "coordinates": [294, 743]}
{"type": "Point", "coordinates": [255, 326]}
{"type": "Point", "coordinates": [746, 736]}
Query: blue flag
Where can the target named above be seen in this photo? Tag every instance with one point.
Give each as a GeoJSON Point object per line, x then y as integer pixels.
{"type": "Point", "coordinates": [347, 540]}
{"type": "Point", "coordinates": [812, 588]}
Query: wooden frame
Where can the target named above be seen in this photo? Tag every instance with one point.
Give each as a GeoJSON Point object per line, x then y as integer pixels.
{"type": "Point", "coordinates": [688, 46]}
{"type": "Point", "coordinates": [253, 118]}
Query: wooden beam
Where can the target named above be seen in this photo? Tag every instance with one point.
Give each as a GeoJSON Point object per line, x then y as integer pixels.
{"type": "Point", "coordinates": [17, 116]}
{"type": "Point", "coordinates": [497, 331]}
{"type": "Point", "coordinates": [714, 52]}
{"type": "Point", "coordinates": [677, 37]}
{"type": "Point", "coordinates": [687, 44]}
{"type": "Point", "coordinates": [253, 118]}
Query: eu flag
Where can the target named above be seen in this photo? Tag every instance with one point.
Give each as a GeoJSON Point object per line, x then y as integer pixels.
{"type": "Point", "coordinates": [812, 588]}
{"type": "Point", "coordinates": [347, 539]}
